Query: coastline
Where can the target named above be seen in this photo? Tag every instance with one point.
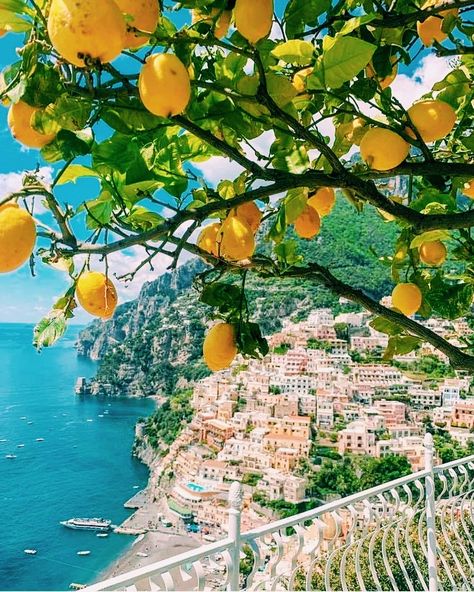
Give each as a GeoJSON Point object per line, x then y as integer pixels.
{"type": "Point", "coordinates": [157, 545]}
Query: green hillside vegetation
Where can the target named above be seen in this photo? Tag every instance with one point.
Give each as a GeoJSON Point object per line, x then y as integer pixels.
{"type": "Point", "coordinates": [160, 335]}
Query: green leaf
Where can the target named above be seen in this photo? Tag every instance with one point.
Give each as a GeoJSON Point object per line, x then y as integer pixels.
{"type": "Point", "coordinates": [299, 13]}
{"type": "Point", "coordinates": [400, 345]}
{"type": "Point", "coordinates": [225, 297]}
{"type": "Point", "coordinates": [450, 301]}
{"type": "Point", "coordinates": [50, 329]}
{"type": "Point", "coordinates": [343, 58]}
{"type": "Point", "coordinates": [250, 340]}
{"type": "Point", "coordinates": [67, 145]}
{"type": "Point", "coordinates": [99, 211]}
{"type": "Point", "coordinates": [295, 203]}
{"type": "Point", "coordinates": [280, 89]}
{"type": "Point", "coordinates": [74, 172]}
{"type": "Point", "coordinates": [356, 22]}
{"type": "Point", "coordinates": [278, 228]}
{"type": "Point", "coordinates": [428, 237]}
{"type": "Point", "coordinates": [383, 325]}
{"type": "Point", "coordinates": [287, 252]}
{"type": "Point", "coordinates": [128, 116]}
{"type": "Point", "coordinates": [296, 52]}
{"type": "Point", "coordinates": [11, 21]}
{"type": "Point", "coordinates": [69, 113]}
{"type": "Point", "coordinates": [142, 219]}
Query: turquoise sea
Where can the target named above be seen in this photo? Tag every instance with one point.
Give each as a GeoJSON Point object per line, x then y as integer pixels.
{"type": "Point", "coordinates": [83, 468]}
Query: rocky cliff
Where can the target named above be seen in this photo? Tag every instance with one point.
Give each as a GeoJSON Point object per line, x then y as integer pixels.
{"type": "Point", "coordinates": [153, 344]}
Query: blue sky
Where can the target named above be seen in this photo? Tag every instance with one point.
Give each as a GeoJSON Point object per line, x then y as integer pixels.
{"type": "Point", "coordinates": [26, 299]}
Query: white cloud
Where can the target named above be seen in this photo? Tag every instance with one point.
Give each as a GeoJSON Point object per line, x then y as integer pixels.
{"type": "Point", "coordinates": [408, 89]}
{"type": "Point", "coordinates": [12, 182]}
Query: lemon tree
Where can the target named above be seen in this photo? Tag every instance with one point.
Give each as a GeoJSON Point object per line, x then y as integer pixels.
{"type": "Point", "coordinates": [137, 94]}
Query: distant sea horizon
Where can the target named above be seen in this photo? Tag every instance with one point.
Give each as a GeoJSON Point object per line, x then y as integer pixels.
{"type": "Point", "coordinates": [72, 459]}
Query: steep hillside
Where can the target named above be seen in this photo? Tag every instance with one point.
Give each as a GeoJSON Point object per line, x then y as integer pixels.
{"type": "Point", "coordinates": [153, 344]}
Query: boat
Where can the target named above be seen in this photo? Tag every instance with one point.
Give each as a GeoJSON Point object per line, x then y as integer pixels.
{"type": "Point", "coordinates": [10, 456]}
{"type": "Point", "coordinates": [102, 535]}
{"type": "Point", "coordinates": [3, 440]}
{"type": "Point", "coordinates": [23, 418]}
{"type": "Point", "coordinates": [83, 552]}
{"type": "Point", "coordinates": [76, 586]}
{"type": "Point", "coordinates": [89, 420]}
{"type": "Point", "coordinates": [141, 554]}
{"type": "Point", "coordinates": [30, 551]}
{"type": "Point", "coordinates": [20, 445]}
{"type": "Point", "coordinates": [87, 523]}
{"type": "Point", "coordinates": [40, 439]}
{"type": "Point", "coordinates": [29, 422]}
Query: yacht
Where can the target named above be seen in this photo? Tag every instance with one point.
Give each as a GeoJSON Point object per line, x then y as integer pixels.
{"type": "Point", "coordinates": [20, 445]}
{"type": "Point", "coordinates": [102, 535]}
{"type": "Point", "coordinates": [40, 439]}
{"type": "Point", "coordinates": [10, 456]}
{"type": "Point", "coordinates": [30, 551]}
{"type": "Point", "coordinates": [87, 523]}
{"type": "Point", "coordinates": [83, 552]}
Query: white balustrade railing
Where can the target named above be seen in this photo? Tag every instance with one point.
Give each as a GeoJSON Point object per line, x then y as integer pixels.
{"type": "Point", "coordinates": [413, 533]}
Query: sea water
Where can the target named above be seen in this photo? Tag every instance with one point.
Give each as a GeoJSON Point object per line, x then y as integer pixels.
{"type": "Point", "coordinates": [83, 468]}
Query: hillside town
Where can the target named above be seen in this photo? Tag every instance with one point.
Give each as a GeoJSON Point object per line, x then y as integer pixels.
{"type": "Point", "coordinates": [323, 386]}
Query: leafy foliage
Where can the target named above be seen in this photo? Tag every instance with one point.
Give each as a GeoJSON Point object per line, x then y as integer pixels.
{"type": "Point", "coordinates": [246, 93]}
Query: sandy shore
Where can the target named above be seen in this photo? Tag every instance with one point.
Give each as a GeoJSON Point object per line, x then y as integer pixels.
{"type": "Point", "coordinates": [158, 546]}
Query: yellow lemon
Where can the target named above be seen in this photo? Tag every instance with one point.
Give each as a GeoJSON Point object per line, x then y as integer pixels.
{"type": "Point", "coordinates": [253, 19]}
{"type": "Point", "coordinates": [208, 239]}
{"type": "Point", "coordinates": [387, 80]}
{"type": "Point", "coordinates": [250, 214]}
{"type": "Point", "coordinates": [237, 240]}
{"type": "Point", "coordinates": [222, 23]}
{"type": "Point", "coordinates": [323, 200]}
{"type": "Point", "coordinates": [17, 237]}
{"type": "Point", "coordinates": [468, 189]}
{"type": "Point", "coordinates": [96, 294]}
{"type": "Point", "coordinates": [86, 29]}
{"type": "Point", "coordinates": [145, 16]}
{"type": "Point", "coordinates": [431, 29]}
{"type": "Point", "coordinates": [407, 298]}
{"type": "Point", "coordinates": [308, 223]}
{"type": "Point", "coordinates": [164, 85]}
{"type": "Point", "coordinates": [383, 149]}
{"type": "Point", "coordinates": [19, 122]}
{"type": "Point", "coordinates": [433, 119]}
{"type": "Point", "coordinates": [219, 348]}
{"type": "Point", "coordinates": [433, 253]}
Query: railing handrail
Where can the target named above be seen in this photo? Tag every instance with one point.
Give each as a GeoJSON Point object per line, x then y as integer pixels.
{"type": "Point", "coordinates": [163, 565]}
{"type": "Point", "coordinates": [229, 543]}
{"type": "Point", "coordinates": [332, 506]}
{"type": "Point", "coordinates": [453, 463]}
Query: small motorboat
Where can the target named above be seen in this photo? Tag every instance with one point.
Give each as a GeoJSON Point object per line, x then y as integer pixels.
{"type": "Point", "coordinates": [83, 553]}
{"type": "Point", "coordinates": [102, 535]}
{"type": "Point", "coordinates": [141, 554]}
{"type": "Point", "coordinates": [23, 418]}
{"type": "Point", "coordinates": [10, 456]}
{"type": "Point", "coordinates": [30, 551]}
{"type": "Point", "coordinates": [20, 445]}
{"type": "Point", "coordinates": [40, 439]}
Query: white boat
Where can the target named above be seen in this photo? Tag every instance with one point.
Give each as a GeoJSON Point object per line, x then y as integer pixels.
{"type": "Point", "coordinates": [30, 551]}
{"type": "Point", "coordinates": [102, 535]}
{"type": "Point", "coordinates": [29, 422]}
{"type": "Point", "coordinates": [100, 415]}
{"type": "Point", "coordinates": [87, 524]}
{"type": "Point", "coordinates": [89, 420]}
{"type": "Point", "coordinates": [83, 552]}
{"type": "Point", "coordinates": [20, 445]}
{"type": "Point", "coordinates": [23, 418]}
{"type": "Point", "coordinates": [3, 440]}
{"type": "Point", "coordinates": [141, 554]}
{"type": "Point", "coordinates": [10, 456]}
{"type": "Point", "coordinates": [40, 439]}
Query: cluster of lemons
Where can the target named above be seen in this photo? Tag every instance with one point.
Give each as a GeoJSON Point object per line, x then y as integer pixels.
{"type": "Point", "coordinates": [76, 31]}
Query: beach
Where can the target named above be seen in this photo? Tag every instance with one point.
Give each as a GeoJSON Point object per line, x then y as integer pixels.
{"type": "Point", "coordinates": [157, 545]}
